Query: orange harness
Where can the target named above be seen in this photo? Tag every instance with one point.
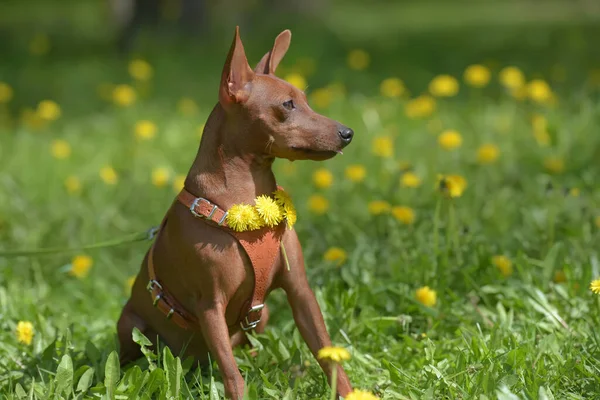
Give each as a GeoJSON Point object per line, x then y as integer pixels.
{"type": "Point", "coordinates": [260, 245]}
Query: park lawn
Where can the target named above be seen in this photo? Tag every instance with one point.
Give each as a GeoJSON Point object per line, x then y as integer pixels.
{"type": "Point", "coordinates": [510, 255]}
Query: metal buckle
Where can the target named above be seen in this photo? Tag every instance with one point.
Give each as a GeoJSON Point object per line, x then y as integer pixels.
{"type": "Point", "coordinates": [195, 204]}
{"type": "Point", "coordinates": [253, 324]}
{"type": "Point", "coordinates": [151, 284]}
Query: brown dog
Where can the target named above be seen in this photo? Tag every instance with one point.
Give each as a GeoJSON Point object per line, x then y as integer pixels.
{"type": "Point", "coordinates": [207, 282]}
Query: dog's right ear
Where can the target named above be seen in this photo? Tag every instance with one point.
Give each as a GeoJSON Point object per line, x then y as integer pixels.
{"type": "Point", "coordinates": [236, 74]}
{"type": "Point", "coordinates": [268, 64]}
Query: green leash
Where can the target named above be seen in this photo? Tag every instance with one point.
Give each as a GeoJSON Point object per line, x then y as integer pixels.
{"type": "Point", "coordinates": [136, 237]}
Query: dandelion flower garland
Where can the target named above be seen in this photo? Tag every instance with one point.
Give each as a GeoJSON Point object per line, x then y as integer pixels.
{"type": "Point", "coordinates": [267, 211]}
{"type": "Point", "coordinates": [243, 217]}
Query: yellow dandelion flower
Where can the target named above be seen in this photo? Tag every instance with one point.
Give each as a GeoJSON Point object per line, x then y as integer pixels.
{"type": "Point", "coordinates": [187, 107]}
{"type": "Point", "coordinates": [378, 207]}
{"type": "Point", "coordinates": [443, 86]}
{"type": "Point", "coordinates": [25, 332]}
{"type": "Point", "coordinates": [290, 214]}
{"type": "Point", "coordinates": [357, 394]}
{"type": "Point", "coordinates": [356, 173]}
{"type": "Point", "coordinates": [335, 255]}
{"type": "Point", "coordinates": [109, 175]}
{"type": "Point", "coordinates": [595, 286]}
{"type": "Point", "coordinates": [73, 184]}
{"type": "Point", "coordinates": [123, 95]}
{"type": "Point", "coordinates": [512, 78]}
{"type": "Point", "coordinates": [404, 214]}
{"type": "Point", "coordinates": [48, 110]}
{"type": "Point", "coordinates": [554, 165]}
{"type": "Point", "coordinates": [410, 180]}
{"type": "Point", "coordinates": [488, 153]}
{"type": "Point", "coordinates": [477, 75]}
{"type": "Point", "coordinates": [559, 277]}
{"type": "Point", "coordinates": [296, 80]}
{"type": "Point", "coordinates": [140, 70]}
{"type": "Point", "coordinates": [61, 149]}
{"type": "Point", "coordinates": [6, 93]}
{"type": "Point", "coordinates": [426, 296]}
{"type": "Point", "coordinates": [80, 266]}
{"type": "Point", "coordinates": [450, 139]}
{"type": "Point", "coordinates": [391, 87]}
{"type": "Point", "coordinates": [282, 198]}
{"type": "Point", "coordinates": [318, 204]}
{"type": "Point", "coordinates": [284, 201]}
{"type": "Point", "coordinates": [268, 210]}
{"type": "Point", "coordinates": [145, 130]}
{"type": "Point", "coordinates": [39, 44]}
{"type": "Point", "coordinates": [452, 185]}
{"type": "Point", "coordinates": [420, 107]}
{"type": "Point", "coordinates": [322, 178]}
{"type": "Point", "coordinates": [383, 146]}
{"type": "Point", "coordinates": [504, 265]}
{"type": "Point", "coordinates": [358, 60]}
{"type": "Point", "coordinates": [243, 217]}
{"type": "Point", "coordinates": [321, 98]}
{"type": "Point", "coordinates": [178, 183]}
{"type": "Point", "coordinates": [129, 284]}
{"type": "Point", "coordinates": [333, 354]}
{"type": "Point", "coordinates": [539, 91]}
{"type": "Point", "coordinates": [160, 176]}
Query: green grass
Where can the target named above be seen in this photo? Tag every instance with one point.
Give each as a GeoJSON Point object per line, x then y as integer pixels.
{"type": "Point", "coordinates": [488, 337]}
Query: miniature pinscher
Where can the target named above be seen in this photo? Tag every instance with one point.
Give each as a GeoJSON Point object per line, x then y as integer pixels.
{"type": "Point", "coordinates": [207, 282]}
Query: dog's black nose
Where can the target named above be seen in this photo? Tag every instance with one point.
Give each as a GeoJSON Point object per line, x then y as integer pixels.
{"type": "Point", "coordinates": [346, 134]}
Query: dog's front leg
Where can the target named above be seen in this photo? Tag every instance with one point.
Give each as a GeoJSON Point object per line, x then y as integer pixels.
{"type": "Point", "coordinates": [306, 311]}
{"type": "Point", "coordinates": [216, 334]}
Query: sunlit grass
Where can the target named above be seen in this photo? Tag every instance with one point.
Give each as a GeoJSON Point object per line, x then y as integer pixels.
{"type": "Point", "coordinates": [453, 247]}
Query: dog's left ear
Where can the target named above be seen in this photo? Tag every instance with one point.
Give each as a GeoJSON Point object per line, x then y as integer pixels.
{"type": "Point", "coordinates": [236, 74]}
{"type": "Point", "coordinates": [268, 64]}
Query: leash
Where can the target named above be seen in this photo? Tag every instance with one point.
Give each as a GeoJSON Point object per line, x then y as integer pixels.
{"type": "Point", "coordinates": [148, 234]}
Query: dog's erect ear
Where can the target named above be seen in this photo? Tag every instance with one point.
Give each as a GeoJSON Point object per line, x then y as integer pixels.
{"type": "Point", "coordinates": [236, 74]}
{"type": "Point", "coordinates": [268, 64]}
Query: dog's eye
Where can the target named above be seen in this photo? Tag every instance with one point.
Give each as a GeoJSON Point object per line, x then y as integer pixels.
{"type": "Point", "coordinates": [289, 105]}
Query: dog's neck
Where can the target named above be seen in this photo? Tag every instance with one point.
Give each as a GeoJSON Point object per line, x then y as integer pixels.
{"type": "Point", "coordinates": [225, 171]}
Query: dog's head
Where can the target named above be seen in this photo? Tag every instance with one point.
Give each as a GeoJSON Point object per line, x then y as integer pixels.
{"type": "Point", "coordinates": [275, 115]}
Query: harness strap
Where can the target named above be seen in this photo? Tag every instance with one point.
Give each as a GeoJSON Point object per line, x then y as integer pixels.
{"type": "Point", "coordinates": [261, 246]}
{"type": "Point", "coordinates": [163, 300]}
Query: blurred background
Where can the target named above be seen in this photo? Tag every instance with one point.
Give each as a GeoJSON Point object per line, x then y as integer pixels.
{"type": "Point", "coordinates": [61, 48]}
